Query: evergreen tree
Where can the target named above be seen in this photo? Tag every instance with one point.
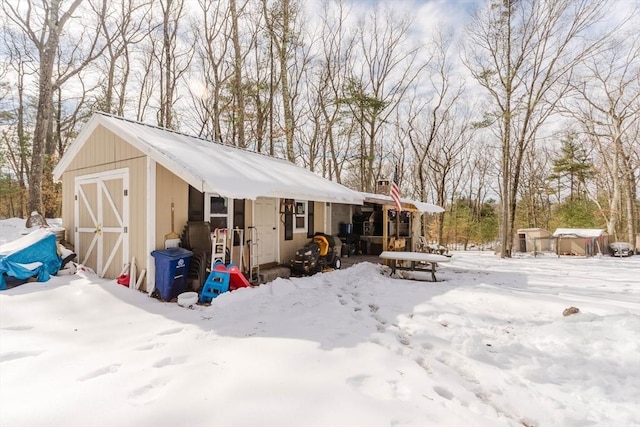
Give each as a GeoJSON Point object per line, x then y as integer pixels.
{"type": "Point", "coordinates": [573, 168]}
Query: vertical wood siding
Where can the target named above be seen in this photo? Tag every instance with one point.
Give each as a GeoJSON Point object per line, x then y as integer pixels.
{"type": "Point", "coordinates": [170, 188]}
{"type": "Point", "coordinates": [104, 151]}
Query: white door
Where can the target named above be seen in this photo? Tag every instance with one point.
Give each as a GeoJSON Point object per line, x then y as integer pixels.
{"type": "Point", "coordinates": [265, 217]}
{"type": "Point", "coordinates": [102, 221]}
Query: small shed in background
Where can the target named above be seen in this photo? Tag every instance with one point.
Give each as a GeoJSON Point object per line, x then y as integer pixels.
{"type": "Point", "coordinates": [581, 241]}
{"type": "Point", "coordinates": [533, 240]}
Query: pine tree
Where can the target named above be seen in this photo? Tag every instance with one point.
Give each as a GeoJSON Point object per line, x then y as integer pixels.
{"type": "Point", "coordinates": [574, 168]}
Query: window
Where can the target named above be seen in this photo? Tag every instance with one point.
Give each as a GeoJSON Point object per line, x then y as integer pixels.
{"type": "Point", "coordinates": [300, 217]}
{"type": "Point", "coordinates": [225, 213]}
{"type": "Point", "coordinates": [218, 212]}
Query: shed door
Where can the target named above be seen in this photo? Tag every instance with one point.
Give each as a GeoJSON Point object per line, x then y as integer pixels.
{"type": "Point", "coordinates": [102, 221]}
{"type": "Point", "coordinates": [265, 221]}
{"type": "Point", "coordinates": [522, 238]}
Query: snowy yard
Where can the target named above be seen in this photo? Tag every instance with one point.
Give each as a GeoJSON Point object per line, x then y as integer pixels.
{"type": "Point", "coordinates": [486, 346]}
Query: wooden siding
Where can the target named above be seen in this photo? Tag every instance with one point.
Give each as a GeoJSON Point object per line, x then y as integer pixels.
{"type": "Point", "coordinates": [288, 248]}
{"type": "Point", "coordinates": [104, 151]}
{"type": "Point", "coordinates": [170, 189]}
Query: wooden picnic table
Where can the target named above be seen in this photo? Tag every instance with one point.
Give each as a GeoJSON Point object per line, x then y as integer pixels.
{"type": "Point", "coordinates": [417, 260]}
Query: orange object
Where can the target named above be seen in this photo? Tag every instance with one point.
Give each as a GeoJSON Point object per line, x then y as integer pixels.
{"type": "Point", "coordinates": [123, 279]}
{"type": "Point", "coordinates": [323, 243]}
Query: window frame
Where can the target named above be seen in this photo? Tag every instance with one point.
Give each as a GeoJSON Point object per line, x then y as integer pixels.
{"type": "Point", "coordinates": [304, 216]}
{"type": "Point", "coordinates": [210, 215]}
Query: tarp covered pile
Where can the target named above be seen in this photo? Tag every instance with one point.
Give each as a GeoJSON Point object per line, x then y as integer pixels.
{"type": "Point", "coordinates": [32, 255]}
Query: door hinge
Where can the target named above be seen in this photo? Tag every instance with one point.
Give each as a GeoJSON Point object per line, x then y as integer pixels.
{"type": "Point", "coordinates": [75, 197]}
{"type": "Point", "coordinates": [126, 192]}
{"type": "Point", "coordinates": [126, 229]}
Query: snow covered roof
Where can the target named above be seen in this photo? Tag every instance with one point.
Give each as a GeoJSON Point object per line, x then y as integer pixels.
{"type": "Point", "coordinates": [422, 207]}
{"type": "Point", "coordinates": [216, 168]}
{"type": "Point", "coordinates": [578, 232]}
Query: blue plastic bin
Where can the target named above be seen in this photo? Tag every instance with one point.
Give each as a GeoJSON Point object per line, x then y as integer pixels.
{"type": "Point", "coordinates": [172, 269]}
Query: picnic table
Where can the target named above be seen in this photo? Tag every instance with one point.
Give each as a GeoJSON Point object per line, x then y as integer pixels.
{"type": "Point", "coordinates": [418, 261]}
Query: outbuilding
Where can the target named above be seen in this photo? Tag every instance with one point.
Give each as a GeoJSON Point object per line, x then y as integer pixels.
{"type": "Point", "coordinates": [581, 241]}
{"type": "Point", "coordinates": [532, 240]}
{"type": "Point", "coordinates": [127, 185]}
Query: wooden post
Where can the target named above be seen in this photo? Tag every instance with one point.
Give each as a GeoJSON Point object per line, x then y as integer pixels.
{"type": "Point", "coordinates": [385, 227]}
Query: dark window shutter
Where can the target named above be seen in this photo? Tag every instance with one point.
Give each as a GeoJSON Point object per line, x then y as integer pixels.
{"type": "Point", "coordinates": [238, 219]}
{"type": "Point", "coordinates": [288, 220]}
{"type": "Point", "coordinates": [196, 205]}
{"type": "Point", "coordinates": [310, 210]}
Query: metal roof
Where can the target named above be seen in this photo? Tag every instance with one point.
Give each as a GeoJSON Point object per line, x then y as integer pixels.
{"type": "Point", "coordinates": [421, 207]}
{"type": "Point", "coordinates": [216, 168]}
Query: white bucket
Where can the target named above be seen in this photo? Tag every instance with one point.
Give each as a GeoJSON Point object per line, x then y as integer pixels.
{"type": "Point", "coordinates": [187, 299]}
{"type": "Point", "coordinates": [172, 243]}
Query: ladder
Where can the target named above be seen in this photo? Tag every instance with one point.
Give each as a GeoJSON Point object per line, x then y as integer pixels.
{"type": "Point", "coordinates": [254, 265]}
{"type": "Point", "coordinates": [218, 246]}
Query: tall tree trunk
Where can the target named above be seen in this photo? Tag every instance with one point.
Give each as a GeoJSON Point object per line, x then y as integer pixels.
{"type": "Point", "coordinates": [238, 91]}
{"type": "Point", "coordinates": [283, 48]}
{"type": "Point", "coordinates": [166, 118]}
{"type": "Point", "coordinates": [45, 101]}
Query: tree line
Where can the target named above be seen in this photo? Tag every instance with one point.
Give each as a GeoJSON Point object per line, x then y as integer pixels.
{"type": "Point", "coordinates": [526, 116]}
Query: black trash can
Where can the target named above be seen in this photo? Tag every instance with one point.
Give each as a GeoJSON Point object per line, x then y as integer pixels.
{"type": "Point", "coordinates": [172, 268]}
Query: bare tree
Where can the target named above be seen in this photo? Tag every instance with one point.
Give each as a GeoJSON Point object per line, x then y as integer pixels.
{"type": "Point", "coordinates": [334, 65]}
{"type": "Point", "coordinates": [535, 191]}
{"type": "Point", "coordinates": [45, 24]}
{"type": "Point", "coordinates": [608, 109]}
{"type": "Point", "coordinates": [386, 67]}
{"type": "Point", "coordinates": [258, 66]}
{"type": "Point", "coordinates": [437, 126]}
{"type": "Point", "coordinates": [124, 25]}
{"type": "Point", "coordinates": [174, 59]}
{"type": "Point", "coordinates": [16, 135]}
{"type": "Point", "coordinates": [280, 19]}
{"type": "Point", "coordinates": [212, 70]}
{"type": "Point", "coordinates": [238, 90]}
{"type": "Point", "coordinates": [522, 52]}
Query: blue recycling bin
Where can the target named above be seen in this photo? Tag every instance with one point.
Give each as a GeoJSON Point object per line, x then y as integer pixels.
{"type": "Point", "coordinates": [172, 269]}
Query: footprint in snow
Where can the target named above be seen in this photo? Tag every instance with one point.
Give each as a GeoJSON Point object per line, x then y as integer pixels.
{"type": "Point", "coordinates": [149, 346]}
{"type": "Point", "coordinates": [110, 369]}
{"type": "Point", "coordinates": [443, 392]}
{"type": "Point", "coordinates": [422, 362]}
{"type": "Point", "coordinates": [380, 319]}
{"type": "Point", "coordinates": [149, 392]}
{"type": "Point", "coordinates": [404, 339]}
{"type": "Point", "coordinates": [170, 331]}
{"type": "Point", "coordinates": [17, 328]}
{"type": "Point", "coordinates": [379, 388]}
{"type": "Point", "coordinates": [168, 361]}
{"type": "Point", "coordinates": [12, 355]}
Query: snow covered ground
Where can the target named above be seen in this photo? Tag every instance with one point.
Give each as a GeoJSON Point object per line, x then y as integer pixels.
{"type": "Point", "coordinates": [487, 346]}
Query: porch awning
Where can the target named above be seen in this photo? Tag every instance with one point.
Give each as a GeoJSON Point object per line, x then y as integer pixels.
{"type": "Point", "coordinates": [421, 207]}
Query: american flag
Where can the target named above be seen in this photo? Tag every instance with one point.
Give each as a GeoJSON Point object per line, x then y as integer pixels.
{"type": "Point", "coordinates": [395, 191]}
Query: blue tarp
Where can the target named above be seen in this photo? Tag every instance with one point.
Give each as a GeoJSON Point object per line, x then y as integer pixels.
{"type": "Point", "coordinates": [34, 254]}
